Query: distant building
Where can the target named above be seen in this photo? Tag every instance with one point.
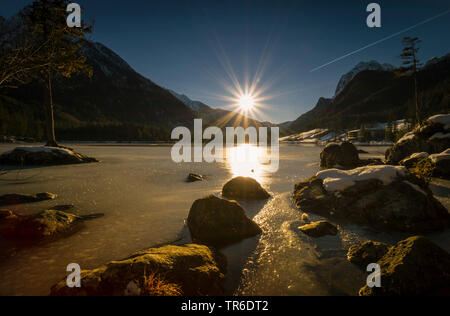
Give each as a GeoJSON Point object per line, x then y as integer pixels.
{"type": "Point", "coordinates": [375, 132]}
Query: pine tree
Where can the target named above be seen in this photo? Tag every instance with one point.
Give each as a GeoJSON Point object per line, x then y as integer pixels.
{"type": "Point", "coordinates": [61, 50]}
{"type": "Point", "coordinates": [18, 52]}
{"type": "Point", "coordinates": [411, 66]}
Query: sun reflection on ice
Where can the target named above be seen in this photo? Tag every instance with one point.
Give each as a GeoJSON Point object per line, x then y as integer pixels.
{"type": "Point", "coordinates": [248, 161]}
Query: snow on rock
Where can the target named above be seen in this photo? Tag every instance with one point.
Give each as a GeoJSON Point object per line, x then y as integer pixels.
{"type": "Point", "coordinates": [407, 136]}
{"type": "Point", "coordinates": [418, 155]}
{"type": "Point", "coordinates": [339, 180]}
{"type": "Point", "coordinates": [439, 157]}
{"type": "Point", "coordinates": [443, 119]}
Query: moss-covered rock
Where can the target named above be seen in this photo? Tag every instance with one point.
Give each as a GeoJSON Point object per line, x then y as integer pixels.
{"type": "Point", "coordinates": [366, 253]}
{"type": "Point", "coordinates": [319, 229]}
{"type": "Point", "coordinates": [245, 189]}
{"type": "Point", "coordinates": [415, 266]}
{"type": "Point", "coordinates": [216, 221]}
{"type": "Point", "coordinates": [406, 204]}
{"type": "Point", "coordinates": [45, 225]}
{"type": "Point", "coordinates": [13, 199]}
{"type": "Point", "coordinates": [196, 269]}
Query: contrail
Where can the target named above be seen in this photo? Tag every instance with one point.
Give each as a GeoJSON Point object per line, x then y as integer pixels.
{"type": "Point", "coordinates": [382, 40]}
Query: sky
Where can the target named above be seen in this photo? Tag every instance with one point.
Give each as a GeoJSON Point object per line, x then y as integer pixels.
{"type": "Point", "coordinates": [205, 48]}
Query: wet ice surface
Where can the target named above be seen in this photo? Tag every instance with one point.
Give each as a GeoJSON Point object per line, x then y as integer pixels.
{"type": "Point", "coordinates": [146, 200]}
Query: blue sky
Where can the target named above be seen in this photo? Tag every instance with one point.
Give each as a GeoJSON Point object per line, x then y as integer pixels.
{"type": "Point", "coordinates": [192, 46]}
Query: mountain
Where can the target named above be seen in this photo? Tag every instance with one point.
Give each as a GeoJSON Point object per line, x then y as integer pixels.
{"type": "Point", "coordinates": [362, 66]}
{"type": "Point", "coordinates": [117, 103]}
{"type": "Point", "coordinates": [193, 105]}
{"type": "Point", "coordinates": [219, 117]}
{"type": "Point", "coordinates": [379, 95]}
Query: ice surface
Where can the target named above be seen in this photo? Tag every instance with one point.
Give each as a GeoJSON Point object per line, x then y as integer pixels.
{"type": "Point", "coordinates": [146, 200]}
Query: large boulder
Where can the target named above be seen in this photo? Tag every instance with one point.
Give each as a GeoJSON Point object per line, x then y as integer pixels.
{"type": "Point", "coordinates": [383, 197]}
{"type": "Point", "coordinates": [367, 253]}
{"type": "Point", "coordinates": [344, 155]}
{"type": "Point", "coordinates": [45, 225]}
{"type": "Point", "coordinates": [319, 229]}
{"type": "Point", "coordinates": [13, 199]}
{"type": "Point", "coordinates": [245, 189]}
{"type": "Point", "coordinates": [432, 137]}
{"type": "Point", "coordinates": [216, 221]}
{"type": "Point", "coordinates": [195, 269]}
{"type": "Point", "coordinates": [414, 267]}
{"type": "Point", "coordinates": [43, 156]}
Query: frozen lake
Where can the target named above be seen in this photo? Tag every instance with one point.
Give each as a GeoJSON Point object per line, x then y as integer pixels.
{"type": "Point", "coordinates": [146, 200]}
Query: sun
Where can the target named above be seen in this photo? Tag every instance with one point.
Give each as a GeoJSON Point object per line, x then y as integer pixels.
{"type": "Point", "coordinates": [246, 102]}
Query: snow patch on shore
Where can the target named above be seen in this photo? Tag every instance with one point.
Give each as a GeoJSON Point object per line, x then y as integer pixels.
{"type": "Point", "coordinates": [338, 180]}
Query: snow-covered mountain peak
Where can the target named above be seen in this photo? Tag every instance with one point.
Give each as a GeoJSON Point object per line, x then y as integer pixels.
{"type": "Point", "coordinates": [193, 105]}
{"type": "Point", "coordinates": [362, 66]}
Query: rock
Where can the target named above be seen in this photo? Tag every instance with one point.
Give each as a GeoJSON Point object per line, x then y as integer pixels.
{"type": "Point", "coordinates": [411, 161]}
{"type": "Point", "coordinates": [216, 221]}
{"type": "Point", "coordinates": [305, 218]}
{"type": "Point", "coordinates": [13, 199]}
{"type": "Point", "coordinates": [193, 177]}
{"type": "Point", "coordinates": [196, 269]}
{"type": "Point", "coordinates": [441, 163]}
{"type": "Point", "coordinates": [319, 229]}
{"type": "Point", "coordinates": [344, 155]}
{"type": "Point", "coordinates": [244, 188]}
{"type": "Point", "coordinates": [366, 253]}
{"type": "Point", "coordinates": [43, 156]}
{"type": "Point", "coordinates": [405, 204]}
{"type": "Point", "coordinates": [44, 225]}
{"type": "Point", "coordinates": [414, 267]}
{"type": "Point", "coordinates": [432, 137]}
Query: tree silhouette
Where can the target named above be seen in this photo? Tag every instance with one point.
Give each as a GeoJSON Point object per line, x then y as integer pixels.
{"type": "Point", "coordinates": [18, 54]}
{"type": "Point", "coordinates": [411, 66]}
{"type": "Point", "coordinates": [60, 51]}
